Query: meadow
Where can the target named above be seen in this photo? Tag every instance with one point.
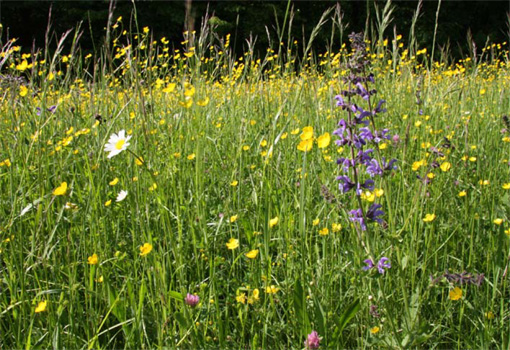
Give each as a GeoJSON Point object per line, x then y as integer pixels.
{"type": "Point", "coordinates": [161, 195]}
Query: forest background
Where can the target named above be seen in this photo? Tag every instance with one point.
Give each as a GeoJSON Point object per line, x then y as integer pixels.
{"type": "Point", "coordinates": [463, 25]}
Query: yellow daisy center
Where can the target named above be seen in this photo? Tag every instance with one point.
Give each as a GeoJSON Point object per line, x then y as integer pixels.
{"type": "Point", "coordinates": [119, 144]}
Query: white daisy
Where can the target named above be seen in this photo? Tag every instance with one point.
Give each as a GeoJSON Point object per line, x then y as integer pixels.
{"type": "Point", "coordinates": [117, 143]}
{"type": "Point", "coordinates": [121, 196]}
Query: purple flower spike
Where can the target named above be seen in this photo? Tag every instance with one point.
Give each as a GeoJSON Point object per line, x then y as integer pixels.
{"type": "Point", "coordinates": [312, 341]}
{"type": "Point", "coordinates": [374, 213]}
{"type": "Point", "coordinates": [191, 300]}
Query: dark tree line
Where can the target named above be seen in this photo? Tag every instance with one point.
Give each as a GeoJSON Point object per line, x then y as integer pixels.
{"type": "Point", "coordinates": [27, 20]}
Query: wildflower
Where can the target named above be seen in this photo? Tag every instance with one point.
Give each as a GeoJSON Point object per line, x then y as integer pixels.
{"type": "Point", "coordinates": [107, 203]}
{"type": "Point", "coordinates": [272, 289]}
{"type": "Point", "coordinates": [234, 183]}
{"type": "Point", "coordinates": [273, 222]}
{"type": "Point", "coordinates": [233, 218]}
{"type": "Point", "coordinates": [241, 298]}
{"type": "Point", "coordinates": [384, 263]}
{"type": "Point", "coordinates": [305, 145]}
{"type": "Point", "coordinates": [252, 254]}
{"type": "Point", "coordinates": [41, 306]}
{"type": "Point", "coordinates": [335, 227]}
{"type": "Point", "coordinates": [489, 315]}
{"type": "Point", "coordinates": [445, 166]}
{"type": "Point", "coordinates": [93, 259]}
{"type": "Point", "coordinates": [324, 231]}
{"type": "Point", "coordinates": [429, 217]}
{"type": "Point", "coordinates": [506, 186]}
{"type": "Point", "coordinates": [232, 243]}
{"type": "Point", "coordinates": [455, 293]}
{"type": "Point", "coordinates": [117, 143]}
{"type": "Point", "coordinates": [192, 300]}
{"type": "Point", "coordinates": [374, 330]}
{"type": "Point", "coordinates": [60, 190]}
{"type": "Point", "coordinates": [121, 196]}
{"type": "Point", "coordinates": [23, 90]}
{"type": "Point", "coordinates": [312, 341]}
{"type": "Point", "coordinates": [324, 140]}
{"type": "Point", "coordinates": [307, 133]}
{"type": "Point", "coordinates": [191, 156]}
{"type": "Point", "coordinates": [114, 182]}
{"type": "Point", "coordinates": [145, 249]}
{"type": "Point", "coordinates": [315, 222]}
{"type": "Point", "coordinates": [139, 161]}
{"type": "Point", "coordinates": [462, 194]}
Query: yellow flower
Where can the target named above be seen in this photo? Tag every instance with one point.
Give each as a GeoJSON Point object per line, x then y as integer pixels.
{"type": "Point", "coordinates": [191, 156]}
{"type": "Point", "coordinates": [234, 183]}
{"type": "Point", "coordinates": [324, 140]}
{"type": "Point", "coordinates": [6, 162]}
{"type": "Point", "coordinates": [462, 194]}
{"type": "Point", "coordinates": [383, 146]}
{"type": "Point", "coordinates": [139, 161]}
{"type": "Point", "coordinates": [446, 166]}
{"type": "Point", "coordinates": [484, 182]}
{"type": "Point", "coordinates": [307, 133]}
{"type": "Point", "coordinates": [316, 222]}
{"type": "Point", "coordinates": [114, 182]}
{"type": "Point", "coordinates": [263, 143]}
{"type": "Point", "coordinates": [241, 298]}
{"type": "Point", "coordinates": [429, 217]}
{"type": "Point", "coordinates": [41, 306]}
{"type": "Point", "coordinates": [252, 254]}
{"type": "Point", "coordinates": [489, 315]}
{"type": "Point", "coordinates": [23, 91]}
{"type": "Point", "coordinates": [498, 221]}
{"type": "Point", "coordinates": [93, 259]}
{"type": "Point", "coordinates": [232, 243]}
{"type": "Point", "coordinates": [233, 218]}
{"type": "Point", "coordinates": [107, 203]}
{"type": "Point", "coordinates": [273, 222]}
{"type": "Point", "coordinates": [295, 131]}
{"type": "Point", "coordinates": [272, 289]}
{"type": "Point", "coordinates": [169, 88]}
{"type": "Point", "coordinates": [145, 249]}
{"type": "Point", "coordinates": [204, 102]}
{"type": "Point", "coordinates": [60, 190]}
{"type": "Point", "coordinates": [378, 192]}
{"type": "Point", "coordinates": [246, 148]}
{"type": "Point", "coordinates": [455, 293]}
{"type": "Point", "coordinates": [153, 187]}
{"type": "Point", "coordinates": [324, 231]}
{"type": "Point", "coordinates": [336, 227]}
{"type": "Point", "coordinates": [506, 186]}
{"type": "Point", "coordinates": [305, 145]}
{"type": "Point", "coordinates": [374, 330]}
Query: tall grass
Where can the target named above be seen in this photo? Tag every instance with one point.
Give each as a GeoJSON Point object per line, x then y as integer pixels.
{"type": "Point", "coordinates": [213, 157]}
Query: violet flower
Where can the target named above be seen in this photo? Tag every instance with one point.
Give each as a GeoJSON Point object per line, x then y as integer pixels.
{"type": "Point", "coordinates": [192, 300]}
{"type": "Point", "coordinates": [312, 341]}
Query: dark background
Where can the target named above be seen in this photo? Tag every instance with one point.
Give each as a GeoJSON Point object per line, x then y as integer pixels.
{"type": "Point", "coordinates": [27, 20]}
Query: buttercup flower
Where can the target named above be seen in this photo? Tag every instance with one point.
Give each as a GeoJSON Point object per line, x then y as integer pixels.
{"type": "Point", "coordinates": [41, 306]}
{"type": "Point", "coordinates": [93, 259]}
{"type": "Point", "coordinates": [145, 249]}
{"type": "Point", "coordinates": [117, 143]}
{"type": "Point", "coordinates": [232, 243]}
{"type": "Point", "coordinates": [60, 190]}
